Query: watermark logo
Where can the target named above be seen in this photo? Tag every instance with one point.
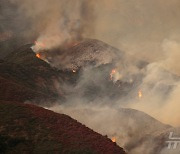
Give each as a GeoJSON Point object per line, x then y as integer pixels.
{"type": "Point", "coordinates": [173, 142]}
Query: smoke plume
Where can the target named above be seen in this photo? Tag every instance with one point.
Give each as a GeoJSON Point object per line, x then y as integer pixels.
{"type": "Point", "coordinates": [52, 23]}
{"type": "Point", "coordinates": [114, 116]}
{"type": "Point", "coordinates": [146, 30]}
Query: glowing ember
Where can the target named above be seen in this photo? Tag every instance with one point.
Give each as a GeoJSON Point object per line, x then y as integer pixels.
{"type": "Point", "coordinates": [113, 139]}
{"type": "Point", "coordinates": [112, 73]}
{"type": "Point", "coordinates": [140, 94]}
{"type": "Point", "coordinates": [38, 55]}
{"type": "Point", "coordinates": [74, 71]}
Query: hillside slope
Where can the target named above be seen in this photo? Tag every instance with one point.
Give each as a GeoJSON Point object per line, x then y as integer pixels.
{"type": "Point", "coordinates": [29, 129]}
{"type": "Point", "coordinates": [27, 77]}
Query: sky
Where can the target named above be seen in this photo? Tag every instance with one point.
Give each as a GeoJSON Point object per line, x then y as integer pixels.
{"type": "Point", "coordinates": [138, 27]}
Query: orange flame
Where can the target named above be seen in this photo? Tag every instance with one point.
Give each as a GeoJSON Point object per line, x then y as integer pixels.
{"type": "Point", "coordinates": [38, 55]}
{"type": "Point", "coordinates": [140, 94]}
{"type": "Point", "coordinates": [113, 139]}
{"type": "Point", "coordinates": [112, 73]}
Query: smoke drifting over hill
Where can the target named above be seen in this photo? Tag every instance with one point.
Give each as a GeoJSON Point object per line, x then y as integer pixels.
{"type": "Point", "coordinates": [137, 26]}
{"type": "Point", "coordinates": [147, 30]}
{"type": "Point", "coordinates": [55, 22]}
{"type": "Point", "coordinates": [101, 107]}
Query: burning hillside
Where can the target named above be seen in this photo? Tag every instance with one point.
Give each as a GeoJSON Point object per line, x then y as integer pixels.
{"type": "Point", "coordinates": [76, 55]}
{"type": "Point", "coordinates": [94, 88]}
{"type": "Point", "coordinates": [101, 87]}
{"type": "Point", "coordinates": [53, 55]}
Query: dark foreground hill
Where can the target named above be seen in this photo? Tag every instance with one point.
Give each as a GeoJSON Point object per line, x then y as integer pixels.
{"type": "Point", "coordinates": [23, 77]}
{"type": "Point", "coordinates": [26, 128]}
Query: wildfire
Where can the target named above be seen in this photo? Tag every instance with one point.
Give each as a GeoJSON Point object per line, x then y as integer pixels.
{"type": "Point", "coordinates": [113, 139]}
{"type": "Point", "coordinates": [112, 73]}
{"type": "Point", "coordinates": [140, 94]}
{"type": "Point", "coordinates": [38, 55]}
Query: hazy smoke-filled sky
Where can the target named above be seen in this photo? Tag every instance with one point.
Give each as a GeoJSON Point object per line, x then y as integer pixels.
{"type": "Point", "coordinates": [136, 26]}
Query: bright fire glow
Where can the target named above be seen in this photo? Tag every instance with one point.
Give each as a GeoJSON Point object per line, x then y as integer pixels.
{"type": "Point", "coordinates": [38, 55]}
{"type": "Point", "coordinates": [112, 73]}
{"type": "Point", "coordinates": [113, 139]}
{"type": "Point", "coordinates": [74, 71]}
{"type": "Point", "coordinates": [140, 94]}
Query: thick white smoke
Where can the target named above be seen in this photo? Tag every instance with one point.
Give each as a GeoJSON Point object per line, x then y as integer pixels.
{"type": "Point", "coordinates": [160, 99]}
{"type": "Point", "coordinates": [56, 22]}
{"type": "Point", "coordinates": [162, 77]}
{"type": "Point", "coordinates": [140, 28]}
